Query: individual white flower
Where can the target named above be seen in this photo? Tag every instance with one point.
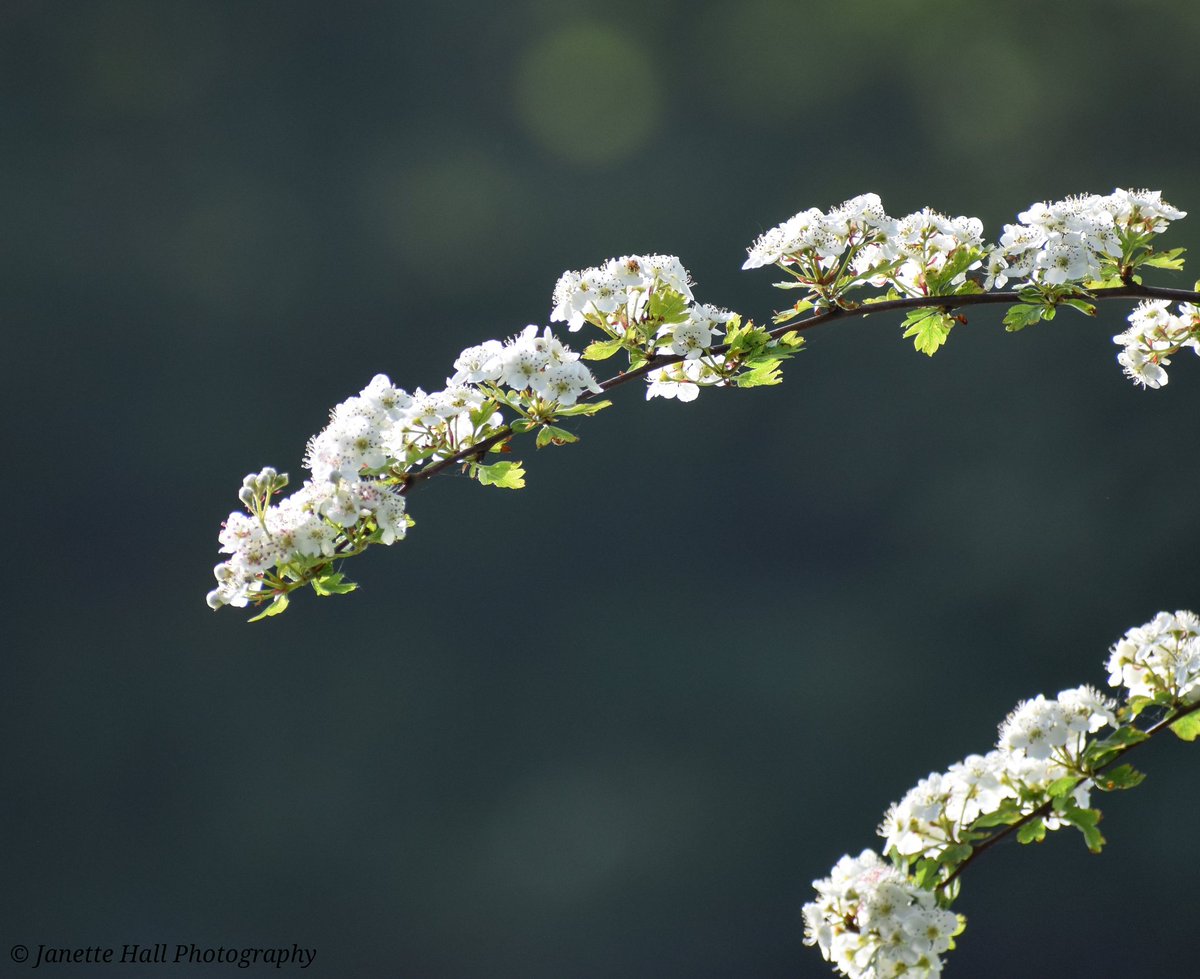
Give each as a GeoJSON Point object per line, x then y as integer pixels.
{"type": "Point", "coordinates": [680, 381]}
{"type": "Point", "coordinates": [375, 499]}
{"type": "Point", "coordinates": [690, 339]}
{"type": "Point", "coordinates": [1148, 371]}
{"type": "Point", "coordinates": [1086, 710]}
{"type": "Point", "coordinates": [564, 382]}
{"type": "Point", "coordinates": [1034, 727]}
{"type": "Point", "coordinates": [389, 400]}
{"type": "Point", "coordinates": [479, 363]}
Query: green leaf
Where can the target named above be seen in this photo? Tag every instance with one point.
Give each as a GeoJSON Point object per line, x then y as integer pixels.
{"type": "Point", "coordinates": [278, 606]}
{"type": "Point", "coordinates": [926, 873]}
{"type": "Point", "coordinates": [791, 340]}
{"type": "Point", "coordinates": [668, 306]}
{"type": "Point", "coordinates": [1166, 260]}
{"type": "Point", "coordinates": [1138, 704]}
{"type": "Point", "coordinates": [584, 408]}
{"type": "Point", "coordinates": [960, 260]}
{"type": "Point", "coordinates": [744, 341]}
{"type": "Point", "coordinates": [1187, 728]}
{"type": "Point", "coordinates": [1020, 316]}
{"type": "Point", "coordinates": [1121, 777]}
{"type": "Point", "coordinates": [1033, 831]}
{"type": "Point", "coordinates": [332, 584]}
{"type": "Point", "coordinates": [784, 315]}
{"type": "Point", "coordinates": [763, 375]}
{"type": "Point", "coordinates": [602, 349]}
{"type": "Point", "coordinates": [1084, 307]}
{"type": "Point", "coordinates": [556, 436]}
{"type": "Point", "coordinates": [1007, 813]}
{"type": "Point", "coordinates": [503, 475]}
{"type": "Point", "coordinates": [1085, 821]}
{"type": "Point", "coordinates": [1102, 752]}
{"type": "Point", "coordinates": [952, 856]}
{"type": "Point", "coordinates": [929, 328]}
{"type": "Point", "coordinates": [1060, 788]}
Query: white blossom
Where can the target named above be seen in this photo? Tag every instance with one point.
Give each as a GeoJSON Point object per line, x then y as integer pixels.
{"type": "Point", "coordinates": [1160, 657]}
{"type": "Point", "coordinates": [871, 922]}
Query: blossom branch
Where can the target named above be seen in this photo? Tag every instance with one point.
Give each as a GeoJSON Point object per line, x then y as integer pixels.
{"type": "Point", "coordinates": [1045, 808]}
{"type": "Point", "coordinates": [947, 303]}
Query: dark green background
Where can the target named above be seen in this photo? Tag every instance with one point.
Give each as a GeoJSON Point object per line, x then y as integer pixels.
{"type": "Point", "coordinates": [612, 725]}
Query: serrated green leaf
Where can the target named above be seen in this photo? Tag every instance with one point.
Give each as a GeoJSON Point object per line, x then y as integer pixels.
{"type": "Point", "coordinates": [1102, 752]}
{"type": "Point", "coordinates": [956, 854]}
{"type": "Point", "coordinates": [1062, 787]}
{"type": "Point", "coordinates": [333, 584]}
{"type": "Point", "coordinates": [557, 436]}
{"type": "Point", "coordinates": [929, 329]}
{"type": "Point", "coordinates": [1165, 260]}
{"type": "Point", "coordinates": [502, 475]}
{"type": "Point", "coordinates": [602, 349]}
{"type": "Point", "coordinates": [278, 606]}
{"type": "Point", "coordinates": [764, 375]}
{"type": "Point", "coordinates": [1007, 813]}
{"type": "Point", "coordinates": [1138, 704]}
{"type": "Point", "coordinates": [667, 306]}
{"type": "Point", "coordinates": [1085, 820]}
{"type": "Point", "coordinates": [962, 259]}
{"type": "Point", "coordinates": [1121, 777]}
{"type": "Point", "coordinates": [1022, 315]}
{"type": "Point", "coordinates": [1187, 728]}
{"type": "Point", "coordinates": [1033, 831]}
{"type": "Point", "coordinates": [791, 340]}
{"type": "Point", "coordinates": [583, 408]}
{"type": "Point", "coordinates": [745, 341]}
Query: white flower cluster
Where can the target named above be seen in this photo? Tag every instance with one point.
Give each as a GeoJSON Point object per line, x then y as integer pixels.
{"type": "Point", "coordinates": [871, 922]}
{"type": "Point", "coordinates": [380, 430]}
{"type": "Point", "coordinates": [1041, 728]}
{"type": "Point", "coordinates": [1038, 742]}
{"type": "Point", "coordinates": [690, 340]}
{"type": "Point", "coordinates": [1154, 334]}
{"type": "Point", "coordinates": [1160, 657]}
{"type": "Point", "coordinates": [922, 242]}
{"type": "Point", "coordinates": [303, 526]}
{"type": "Point", "coordinates": [531, 361]}
{"type": "Point", "coordinates": [823, 235]}
{"type": "Point", "coordinates": [617, 297]}
{"type": "Point", "coordinates": [617, 292]}
{"type": "Point", "coordinates": [1070, 240]}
